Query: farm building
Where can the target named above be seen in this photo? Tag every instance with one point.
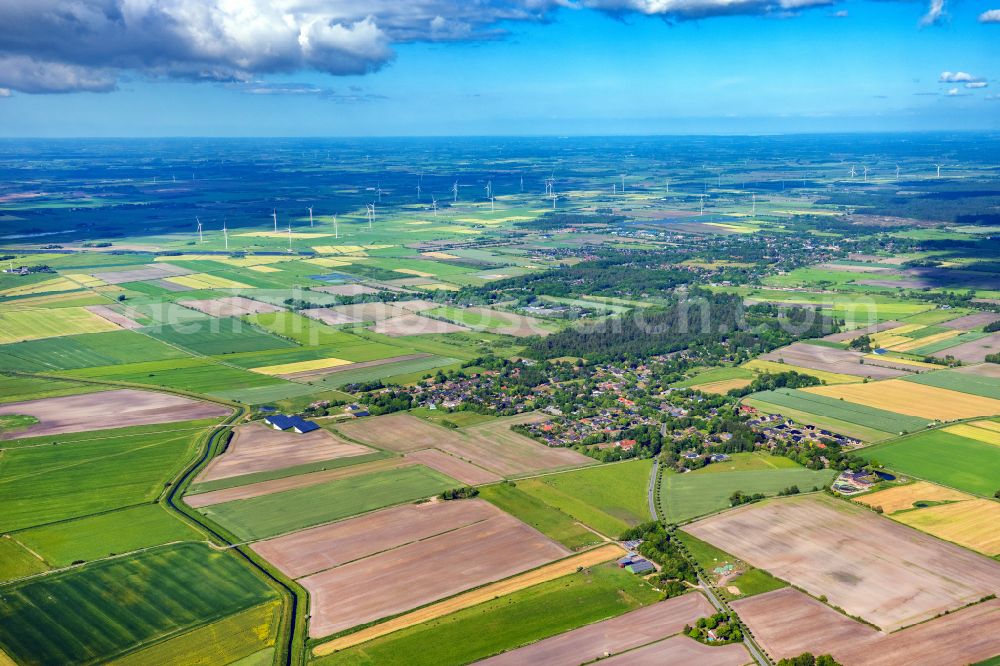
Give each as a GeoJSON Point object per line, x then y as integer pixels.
{"type": "Point", "coordinates": [295, 423]}
{"type": "Point", "coordinates": [640, 566]}
{"type": "Point", "coordinates": [627, 560]}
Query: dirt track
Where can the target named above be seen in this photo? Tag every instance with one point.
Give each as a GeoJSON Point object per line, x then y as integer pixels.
{"type": "Point", "coordinates": [625, 632]}
{"type": "Point", "coordinates": [107, 409]}
{"type": "Point", "coordinates": [257, 447]}
{"type": "Point", "coordinates": [419, 573]}
{"type": "Point", "coordinates": [872, 567]}
{"type": "Point", "coordinates": [327, 546]}
{"type": "Point", "coordinates": [787, 623]}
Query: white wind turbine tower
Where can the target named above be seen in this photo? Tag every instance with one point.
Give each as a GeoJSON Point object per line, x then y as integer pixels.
{"type": "Point", "coordinates": [418, 190]}
{"type": "Point", "coordinates": [701, 197]}
{"type": "Point", "coordinates": [289, 235]}
{"type": "Point", "coordinates": [854, 172]}
{"type": "Point", "coordinates": [378, 191]}
{"type": "Point", "coordinates": [274, 216]}
{"type": "Point", "coordinates": [434, 205]}
{"type": "Point", "coordinates": [201, 238]}
{"type": "Point", "coordinates": [668, 186]}
{"type": "Point", "coordinates": [623, 183]}
{"type": "Point", "coordinates": [938, 170]}
{"type": "Point", "coordinates": [489, 189]}
{"type": "Point", "coordinates": [897, 172]}
{"type": "Point", "coordinates": [225, 233]}
{"type": "Point", "coordinates": [310, 216]}
{"type": "Point", "coordinates": [454, 191]}
{"type": "Point", "coordinates": [866, 173]}
{"type": "Point", "coordinates": [614, 188]}
{"type": "Point", "coordinates": [522, 184]}
{"type": "Point", "coordinates": [371, 213]}
{"type": "Point", "coordinates": [336, 229]}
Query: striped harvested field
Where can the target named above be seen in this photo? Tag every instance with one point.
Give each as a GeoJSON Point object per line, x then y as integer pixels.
{"type": "Point", "coordinates": [901, 498]}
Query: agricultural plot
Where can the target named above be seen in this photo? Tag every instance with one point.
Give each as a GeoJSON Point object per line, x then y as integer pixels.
{"type": "Point", "coordinates": [609, 498]}
{"type": "Point", "coordinates": [501, 616]}
{"type": "Point", "coordinates": [941, 457]}
{"type": "Point", "coordinates": [256, 447]}
{"type": "Point", "coordinates": [120, 409]}
{"type": "Point", "coordinates": [414, 324]}
{"type": "Point", "coordinates": [18, 325]}
{"type": "Point", "coordinates": [116, 318]}
{"type": "Point", "coordinates": [891, 576]}
{"type": "Point", "coordinates": [157, 271]}
{"type": "Point", "coordinates": [16, 561]}
{"type": "Point", "coordinates": [399, 432]}
{"type": "Point", "coordinates": [850, 412]}
{"type": "Point", "coordinates": [211, 336]}
{"type": "Point", "coordinates": [917, 400]}
{"type": "Point", "coordinates": [686, 496]}
{"type": "Point", "coordinates": [836, 362]}
{"type": "Point", "coordinates": [23, 389]}
{"type": "Point", "coordinates": [972, 321]}
{"type": "Point", "coordinates": [973, 351]}
{"type": "Point", "coordinates": [83, 351]}
{"type": "Point", "coordinates": [182, 587]}
{"type": "Point", "coordinates": [545, 518]}
{"type": "Point", "coordinates": [494, 321]}
{"type": "Point", "coordinates": [389, 369]}
{"type": "Point", "coordinates": [978, 380]}
{"type": "Point", "coordinates": [714, 375]}
{"type": "Point", "coordinates": [278, 513]}
{"type": "Point", "coordinates": [366, 590]}
{"type": "Point", "coordinates": [684, 650]}
{"type": "Point", "coordinates": [43, 484]}
{"type": "Point", "coordinates": [787, 623]}
{"type": "Point", "coordinates": [230, 306]}
{"type": "Point", "coordinates": [456, 468]}
{"type": "Point", "coordinates": [846, 336]}
{"type": "Point", "coordinates": [987, 432]}
{"type": "Point", "coordinates": [610, 637]}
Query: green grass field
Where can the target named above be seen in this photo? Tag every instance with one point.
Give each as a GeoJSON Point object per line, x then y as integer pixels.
{"type": "Point", "coordinates": [418, 365]}
{"type": "Point", "coordinates": [17, 389]}
{"type": "Point", "coordinates": [226, 641]}
{"type": "Point", "coordinates": [194, 374]}
{"type": "Point", "coordinates": [850, 412]}
{"type": "Point", "coordinates": [42, 484]}
{"type": "Point", "coordinates": [609, 498]}
{"type": "Point", "coordinates": [16, 561]}
{"type": "Point", "coordinates": [715, 375]}
{"type": "Point", "coordinates": [17, 325]}
{"type": "Point", "coordinates": [459, 418]}
{"type": "Point", "coordinates": [270, 515]}
{"type": "Point", "coordinates": [104, 534]}
{"type": "Point", "coordinates": [548, 520]}
{"type": "Point", "coordinates": [505, 623]}
{"type": "Point", "coordinates": [745, 462]}
{"type": "Point", "coordinates": [754, 581]}
{"type": "Point", "coordinates": [686, 496]}
{"type": "Point", "coordinates": [84, 351]}
{"type": "Point", "coordinates": [987, 387]}
{"type": "Point", "coordinates": [212, 336]}
{"type": "Point", "coordinates": [941, 457]}
{"type": "Point", "coordinates": [827, 423]}
{"type": "Point", "coordinates": [257, 477]}
{"type": "Point", "coordinates": [302, 330]}
{"type": "Point", "coordinates": [95, 613]}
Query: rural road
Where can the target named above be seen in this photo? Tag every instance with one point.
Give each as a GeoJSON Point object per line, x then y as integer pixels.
{"type": "Point", "coordinates": [751, 647]}
{"type": "Point", "coordinates": [652, 490]}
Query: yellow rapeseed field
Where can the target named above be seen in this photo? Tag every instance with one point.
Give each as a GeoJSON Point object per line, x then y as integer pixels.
{"type": "Point", "coordinates": [929, 340]}
{"type": "Point", "coordinates": [722, 386]}
{"type": "Point", "coordinates": [301, 366]}
{"type": "Point", "coordinates": [972, 431]}
{"type": "Point", "coordinates": [913, 399]}
{"type": "Point", "coordinates": [206, 281]}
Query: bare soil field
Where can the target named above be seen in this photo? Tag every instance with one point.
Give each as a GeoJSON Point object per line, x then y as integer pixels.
{"type": "Point", "coordinates": [149, 272]}
{"type": "Point", "coordinates": [414, 324]}
{"type": "Point", "coordinates": [323, 372]}
{"type": "Point", "coordinates": [170, 286]}
{"type": "Point", "coordinates": [625, 632]}
{"type": "Point", "coordinates": [368, 311]}
{"type": "Point", "coordinates": [327, 546]}
{"type": "Point", "coordinates": [984, 370]}
{"type": "Point", "coordinates": [231, 306]}
{"type": "Point", "coordinates": [257, 447]}
{"type": "Point", "coordinates": [400, 432]}
{"type": "Point", "coordinates": [418, 573]}
{"type": "Point", "coordinates": [417, 305]}
{"type": "Point", "coordinates": [520, 326]}
{"type": "Point", "coordinates": [975, 351]}
{"type": "Point", "coordinates": [844, 336]}
{"type": "Point", "coordinates": [289, 482]}
{"type": "Point", "coordinates": [831, 360]}
{"type": "Point", "coordinates": [107, 409]}
{"type": "Point", "coordinates": [683, 650]}
{"type": "Point", "coordinates": [114, 317]}
{"type": "Point", "coordinates": [346, 290]}
{"type": "Point", "coordinates": [787, 623]}
{"type": "Point", "coordinates": [328, 316]}
{"type": "Point", "coordinates": [454, 467]}
{"type": "Point", "coordinates": [510, 585]}
{"type": "Point", "coordinates": [852, 268]}
{"type": "Point", "coordinates": [872, 567]}
{"type": "Point", "coordinates": [969, 322]}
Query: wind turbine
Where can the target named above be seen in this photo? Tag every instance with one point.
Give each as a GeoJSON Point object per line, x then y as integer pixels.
{"type": "Point", "coordinates": [522, 184]}
{"type": "Point", "coordinates": [336, 229]}
{"type": "Point", "coordinates": [371, 213]}
{"type": "Point", "coordinates": [668, 186]}
{"type": "Point", "coordinates": [434, 205]}
{"type": "Point", "coordinates": [701, 197]}
{"type": "Point", "coordinates": [854, 172]}
{"type": "Point", "coordinates": [938, 170]}
{"type": "Point", "coordinates": [489, 189]}
{"type": "Point", "coordinates": [614, 188]}
{"type": "Point", "coordinates": [418, 190]}
{"type": "Point", "coordinates": [897, 172]}
{"type": "Point", "coordinates": [753, 206]}
{"type": "Point", "coordinates": [623, 183]}
{"type": "Point", "coordinates": [289, 235]}
{"type": "Point", "coordinates": [274, 215]}
{"type": "Point", "coordinates": [201, 238]}
{"type": "Point", "coordinates": [378, 191]}
{"type": "Point", "coordinates": [866, 173]}
{"type": "Point", "coordinates": [225, 233]}
{"type": "Point", "coordinates": [454, 191]}
{"type": "Point", "coordinates": [310, 216]}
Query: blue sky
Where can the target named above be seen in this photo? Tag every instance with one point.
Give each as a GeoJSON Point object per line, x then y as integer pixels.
{"type": "Point", "coordinates": [579, 71]}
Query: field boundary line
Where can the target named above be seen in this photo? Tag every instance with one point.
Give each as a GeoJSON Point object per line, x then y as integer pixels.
{"type": "Point", "coordinates": [474, 597]}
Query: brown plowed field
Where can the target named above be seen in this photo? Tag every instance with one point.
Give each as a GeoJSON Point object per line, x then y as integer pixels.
{"type": "Point", "coordinates": [327, 316]}
{"type": "Point", "coordinates": [414, 324]}
{"type": "Point", "coordinates": [972, 321]}
{"type": "Point", "coordinates": [148, 272]}
{"type": "Point", "coordinates": [975, 351]}
{"type": "Point", "coordinates": [787, 623]}
{"type": "Point", "coordinates": [117, 318]}
{"type": "Point", "coordinates": [231, 306]}
{"type": "Point", "coordinates": [832, 360]}
{"type": "Point", "coordinates": [400, 432]}
{"type": "Point", "coordinates": [681, 651]}
{"type": "Point", "coordinates": [454, 467]}
{"type": "Point", "coordinates": [872, 567]}
{"type": "Point", "coordinates": [368, 311]}
{"type": "Point", "coordinates": [346, 290]}
{"type": "Point", "coordinates": [625, 632]}
{"type": "Point", "coordinates": [418, 573]}
{"type": "Point", "coordinates": [984, 370]}
{"type": "Point", "coordinates": [845, 336]}
{"type": "Point", "coordinates": [290, 482]}
{"type": "Point", "coordinates": [107, 409]}
{"type": "Point", "coordinates": [514, 324]}
{"type": "Point", "coordinates": [327, 546]}
{"type": "Point", "coordinates": [257, 447]}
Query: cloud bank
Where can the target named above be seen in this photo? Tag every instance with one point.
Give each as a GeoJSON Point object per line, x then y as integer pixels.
{"type": "Point", "coordinates": [58, 46]}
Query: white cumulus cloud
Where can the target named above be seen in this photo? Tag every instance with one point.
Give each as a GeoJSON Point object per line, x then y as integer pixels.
{"type": "Point", "coordinates": [990, 16]}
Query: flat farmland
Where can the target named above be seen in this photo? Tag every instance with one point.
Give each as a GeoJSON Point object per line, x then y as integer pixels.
{"type": "Point", "coordinates": [969, 322]}
{"type": "Point", "coordinates": [98, 612]}
{"type": "Point", "coordinates": [865, 415]}
{"type": "Point", "coordinates": [862, 433]}
{"type": "Point", "coordinates": [495, 321]}
{"type": "Point", "coordinates": [977, 380]}
{"type": "Point", "coordinates": [971, 523]}
{"type": "Point", "coordinates": [85, 350]}
{"type": "Point", "coordinates": [327, 546]}
{"type": "Point", "coordinates": [278, 513]}
{"type": "Point", "coordinates": [229, 306]}
{"type": "Point", "coordinates": [683, 650]}
{"type": "Point", "coordinates": [545, 518]}
{"type": "Point", "coordinates": [257, 447]}
{"type": "Point", "coordinates": [148, 272]}
{"type": "Point", "coordinates": [828, 359]}
{"type": "Point", "coordinates": [902, 498]}
{"type": "Point", "coordinates": [454, 467]}
{"type": "Point", "coordinates": [42, 484]}
{"type": "Point", "coordinates": [945, 458]}
{"type": "Point", "coordinates": [625, 632]}
{"type": "Point", "coordinates": [495, 446]}
{"type": "Point", "coordinates": [787, 623]}
{"type": "Point", "coordinates": [116, 318]}
{"type": "Point", "coordinates": [106, 409]}
{"type": "Point", "coordinates": [368, 589]}
{"type": "Point", "coordinates": [16, 561]}
{"type": "Point", "coordinates": [872, 567]}
{"type": "Point", "coordinates": [917, 400]}
{"type": "Point", "coordinates": [974, 351]}
{"type": "Point", "coordinates": [976, 431]}
{"type": "Point", "coordinates": [399, 432]}
{"type": "Point", "coordinates": [722, 387]}
{"type": "Point", "coordinates": [211, 336]}
{"type": "Point", "coordinates": [414, 324]}
{"type": "Point", "coordinates": [17, 325]}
